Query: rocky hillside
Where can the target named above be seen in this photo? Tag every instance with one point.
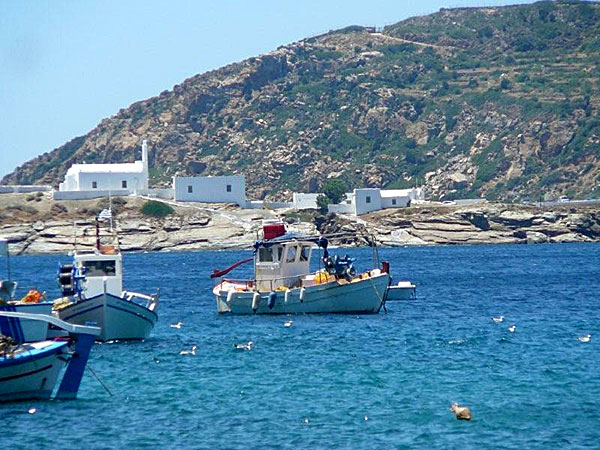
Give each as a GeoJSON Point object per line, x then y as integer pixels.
{"type": "Point", "coordinates": [501, 102]}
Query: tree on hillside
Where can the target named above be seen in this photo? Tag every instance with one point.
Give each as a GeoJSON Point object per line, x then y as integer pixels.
{"type": "Point", "coordinates": [334, 191]}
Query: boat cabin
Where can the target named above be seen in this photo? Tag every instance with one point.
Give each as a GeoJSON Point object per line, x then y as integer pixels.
{"type": "Point", "coordinates": [282, 264]}
{"type": "Point", "coordinates": [100, 268]}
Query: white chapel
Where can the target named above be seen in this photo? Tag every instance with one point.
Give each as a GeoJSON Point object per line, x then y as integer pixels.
{"type": "Point", "coordinates": [131, 177]}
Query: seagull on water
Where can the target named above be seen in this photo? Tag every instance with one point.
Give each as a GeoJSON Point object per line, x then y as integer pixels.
{"type": "Point", "coordinates": [247, 346]}
{"type": "Point", "coordinates": [288, 324]}
{"type": "Point", "coordinates": [189, 352]}
{"type": "Point", "coordinates": [498, 319]}
{"type": "Point", "coordinates": [176, 325]}
{"type": "Point", "coordinates": [512, 328]}
{"type": "Point", "coordinates": [585, 338]}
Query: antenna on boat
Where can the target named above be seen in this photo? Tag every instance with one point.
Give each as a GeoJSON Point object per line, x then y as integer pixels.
{"type": "Point", "coordinates": [110, 210]}
{"type": "Point", "coordinates": [4, 249]}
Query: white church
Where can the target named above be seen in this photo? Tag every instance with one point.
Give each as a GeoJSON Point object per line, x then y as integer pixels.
{"type": "Point", "coordinates": [85, 181]}
{"type": "Point", "coordinates": [98, 180]}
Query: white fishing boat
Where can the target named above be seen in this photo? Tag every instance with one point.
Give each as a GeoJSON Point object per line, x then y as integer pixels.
{"type": "Point", "coordinates": [284, 284]}
{"type": "Point", "coordinates": [403, 290]}
{"type": "Point", "coordinates": [33, 303]}
{"type": "Point", "coordinates": [92, 288]}
{"type": "Point", "coordinates": [32, 370]}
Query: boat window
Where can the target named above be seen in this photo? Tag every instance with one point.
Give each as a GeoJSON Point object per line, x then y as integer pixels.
{"type": "Point", "coordinates": [305, 253]}
{"type": "Point", "coordinates": [265, 254]}
{"type": "Point", "coordinates": [279, 253]}
{"type": "Point", "coordinates": [291, 254]}
{"type": "Point", "coordinates": [100, 268]}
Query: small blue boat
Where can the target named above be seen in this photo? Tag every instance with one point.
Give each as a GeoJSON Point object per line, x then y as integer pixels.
{"type": "Point", "coordinates": [32, 370]}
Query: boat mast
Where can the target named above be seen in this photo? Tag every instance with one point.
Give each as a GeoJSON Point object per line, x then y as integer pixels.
{"type": "Point", "coordinates": [4, 248]}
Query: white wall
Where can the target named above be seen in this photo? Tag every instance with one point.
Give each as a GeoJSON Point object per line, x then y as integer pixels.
{"type": "Point", "coordinates": [111, 181]}
{"type": "Point", "coordinates": [84, 195]}
{"type": "Point", "coordinates": [166, 193]}
{"type": "Point", "coordinates": [210, 189]}
{"type": "Point", "coordinates": [367, 200]}
{"type": "Point", "coordinates": [401, 202]}
{"type": "Point", "coordinates": [342, 208]}
{"type": "Point", "coordinates": [305, 201]}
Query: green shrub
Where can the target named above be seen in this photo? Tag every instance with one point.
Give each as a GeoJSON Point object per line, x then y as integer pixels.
{"type": "Point", "coordinates": [156, 209]}
{"type": "Point", "coordinates": [335, 190]}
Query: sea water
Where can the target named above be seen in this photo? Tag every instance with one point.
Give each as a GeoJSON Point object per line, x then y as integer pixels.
{"type": "Point", "coordinates": [343, 381]}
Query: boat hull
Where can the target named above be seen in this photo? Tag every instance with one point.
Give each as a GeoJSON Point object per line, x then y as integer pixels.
{"type": "Point", "coordinates": [32, 374]}
{"type": "Point", "coordinates": [117, 318]}
{"type": "Point", "coordinates": [25, 330]}
{"type": "Point", "coordinates": [361, 297]}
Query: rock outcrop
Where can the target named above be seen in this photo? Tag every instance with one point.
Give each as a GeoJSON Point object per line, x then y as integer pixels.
{"type": "Point", "coordinates": [205, 228]}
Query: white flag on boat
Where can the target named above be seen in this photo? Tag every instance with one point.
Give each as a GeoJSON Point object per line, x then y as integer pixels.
{"type": "Point", "coordinates": [105, 214]}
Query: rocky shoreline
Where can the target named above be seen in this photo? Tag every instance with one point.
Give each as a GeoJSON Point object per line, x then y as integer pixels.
{"type": "Point", "coordinates": [206, 227]}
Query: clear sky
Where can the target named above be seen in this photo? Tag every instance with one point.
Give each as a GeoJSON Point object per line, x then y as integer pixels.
{"type": "Point", "coordinates": [66, 65]}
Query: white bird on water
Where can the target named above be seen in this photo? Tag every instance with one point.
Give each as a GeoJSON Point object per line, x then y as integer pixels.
{"type": "Point", "coordinates": [189, 352]}
{"type": "Point", "coordinates": [512, 328]}
{"type": "Point", "coordinates": [176, 325]}
{"type": "Point", "coordinates": [247, 346]}
{"type": "Point", "coordinates": [288, 324]}
{"type": "Point", "coordinates": [586, 338]}
{"type": "Point", "coordinates": [498, 319]}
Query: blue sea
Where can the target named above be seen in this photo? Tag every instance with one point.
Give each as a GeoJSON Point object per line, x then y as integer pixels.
{"type": "Point", "coordinates": [344, 381]}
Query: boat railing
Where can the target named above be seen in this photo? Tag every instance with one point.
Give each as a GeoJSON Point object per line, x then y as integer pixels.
{"type": "Point", "coordinates": [149, 301]}
{"type": "Point", "coordinates": [273, 282]}
{"type": "Point", "coordinates": [69, 327]}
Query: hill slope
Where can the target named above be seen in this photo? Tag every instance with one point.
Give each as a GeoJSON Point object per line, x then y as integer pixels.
{"type": "Point", "coordinates": [501, 102]}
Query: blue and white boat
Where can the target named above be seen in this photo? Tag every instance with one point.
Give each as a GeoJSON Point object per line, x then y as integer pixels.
{"type": "Point", "coordinates": [92, 288]}
{"type": "Point", "coordinates": [32, 370]}
{"type": "Point", "coordinates": [284, 284]}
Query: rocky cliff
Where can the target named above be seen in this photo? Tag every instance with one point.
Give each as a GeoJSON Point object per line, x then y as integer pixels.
{"type": "Point", "coordinates": [501, 102]}
{"type": "Point", "coordinates": [46, 226]}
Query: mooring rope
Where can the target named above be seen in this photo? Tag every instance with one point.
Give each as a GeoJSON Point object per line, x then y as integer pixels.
{"type": "Point", "coordinates": [99, 380]}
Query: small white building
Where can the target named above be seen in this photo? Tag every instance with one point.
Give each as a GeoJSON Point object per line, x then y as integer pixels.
{"type": "Point", "coordinates": [305, 201]}
{"type": "Point", "coordinates": [128, 177]}
{"type": "Point", "coordinates": [363, 201]}
{"type": "Point", "coordinates": [221, 189]}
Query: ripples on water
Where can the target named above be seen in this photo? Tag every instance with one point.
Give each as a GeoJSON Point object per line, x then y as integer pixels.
{"type": "Point", "coordinates": [375, 381]}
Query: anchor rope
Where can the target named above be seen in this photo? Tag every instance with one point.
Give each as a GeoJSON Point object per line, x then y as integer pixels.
{"type": "Point", "coordinates": [99, 380]}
